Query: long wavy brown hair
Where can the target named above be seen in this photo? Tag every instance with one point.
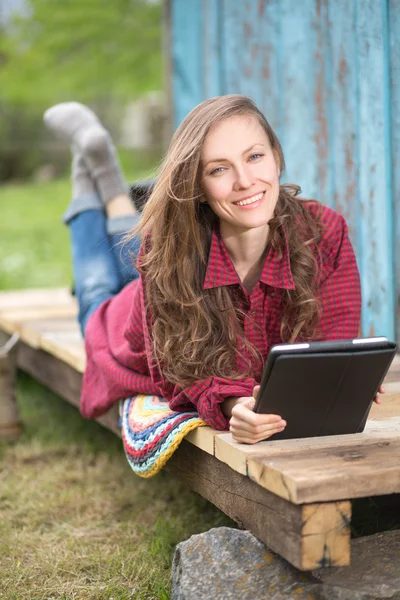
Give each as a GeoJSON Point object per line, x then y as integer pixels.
{"type": "Point", "coordinates": [198, 333]}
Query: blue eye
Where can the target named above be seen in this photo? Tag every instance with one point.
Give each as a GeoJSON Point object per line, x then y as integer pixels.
{"type": "Point", "coordinates": [217, 170]}
{"type": "Point", "coordinates": [255, 156]}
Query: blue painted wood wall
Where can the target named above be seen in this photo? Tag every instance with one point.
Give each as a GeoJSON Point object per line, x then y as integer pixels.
{"type": "Point", "coordinates": [326, 73]}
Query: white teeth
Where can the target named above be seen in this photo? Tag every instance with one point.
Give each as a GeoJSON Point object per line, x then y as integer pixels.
{"type": "Point", "coordinates": [250, 200]}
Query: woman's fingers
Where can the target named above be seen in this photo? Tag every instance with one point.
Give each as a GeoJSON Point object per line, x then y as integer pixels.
{"type": "Point", "coordinates": [381, 390]}
{"type": "Point", "coordinates": [246, 429]}
{"type": "Point", "coordinates": [237, 425]}
{"type": "Point", "coordinates": [244, 412]}
{"type": "Point", "coordinates": [246, 438]}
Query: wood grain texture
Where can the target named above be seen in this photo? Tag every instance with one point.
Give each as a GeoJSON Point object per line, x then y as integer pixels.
{"type": "Point", "coordinates": [11, 320]}
{"type": "Point", "coordinates": [32, 331]}
{"type": "Point", "coordinates": [326, 474]}
{"type": "Point", "coordinates": [394, 86]}
{"type": "Point", "coordinates": [374, 173]}
{"type": "Point", "coordinates": [58, 376]}
{"type": "Point", "coordinates": [35, 298]}
{"type": "Point", "coordinates": [325, 533]}
{"type": "Point", "coordinates": [67, 346]}
{"type": "Point", "coordinates": [303, 535]}
{"type": "Point", "coordinates": [203, 438]}
{"type": "Point", "coordinates": [237, 455]}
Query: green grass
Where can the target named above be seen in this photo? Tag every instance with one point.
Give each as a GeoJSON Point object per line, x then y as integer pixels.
{"type": "Point", "coordinates": [34, 243]}
{"type": "Point", "coordinates": [75, 522]}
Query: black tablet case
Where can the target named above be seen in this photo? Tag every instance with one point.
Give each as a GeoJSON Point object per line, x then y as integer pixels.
{"type": "Point", "coordinates": [324, 393]}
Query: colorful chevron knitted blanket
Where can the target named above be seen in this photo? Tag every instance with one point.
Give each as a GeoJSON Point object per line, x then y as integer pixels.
{"type": "Point", "coordinates": [151, 432]}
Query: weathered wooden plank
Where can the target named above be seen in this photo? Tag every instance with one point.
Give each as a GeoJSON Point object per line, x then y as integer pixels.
{"type": "Point", "coordinates": [304, 535]}
{"type": "Point", "coordinates": [320, 68]}
{"type": "Point", "coordinates": [187, 59]}
{"type": "Point", "coordinates": [67, 346]}
{"type": "Point", "coordinates": [11, 320]}
{"type": "Point", "coordinates": [390, 405]}
{"type": "Point", "coordinates": [270, 79]}
{"type": "Point", "coordinates": [299, 126]}
{"type": "Point", "coordinates": [34, 298]}
{"type": "Point", "coordinates": [343, 111]}
{"type": "Point", "coordinates": [323, 474]}
{"type": "Point", "coordinates": [203, 438]}
{"type": "Point", "coordinates": [394, 77]}
{"type": "Point", "coordinates": [374, 182]}
{"type": "Point", "coordinates": [211, 48]}
{"type": "Point", "coordinates": [31, 331]}
{"type": "Point", "coordinates": [237, 455]}
{"type": "Point", "coordinates": [241, 48]}
{"type": "Point", "coordinates": [58, 376]}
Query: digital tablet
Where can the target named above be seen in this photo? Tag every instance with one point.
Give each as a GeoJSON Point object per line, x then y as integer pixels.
{"type": "Point", "coordinates": [323, 388]}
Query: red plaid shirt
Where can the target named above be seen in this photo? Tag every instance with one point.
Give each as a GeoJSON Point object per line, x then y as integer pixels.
{"type": "Point", "coordinates": [118, 346]}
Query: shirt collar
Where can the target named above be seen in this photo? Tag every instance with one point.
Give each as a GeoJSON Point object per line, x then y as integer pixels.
{"type": "Point", "coordinates": [220, 272]}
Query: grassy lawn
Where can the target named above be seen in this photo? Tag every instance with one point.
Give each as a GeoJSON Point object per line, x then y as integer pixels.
{"type": "Point", "coordinates": [75, 522]}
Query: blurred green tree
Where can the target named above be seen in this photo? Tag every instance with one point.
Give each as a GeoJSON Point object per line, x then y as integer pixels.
{"type": "Point", "coordinates": [99, 52]}
{"type": "Point", "coordinates": [53, 50]}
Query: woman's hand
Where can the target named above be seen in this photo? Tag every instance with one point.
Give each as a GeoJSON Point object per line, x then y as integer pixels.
{"type": "Point", "coordinates": [248, 427]}
{"type": "Point", "coordinates": [380, 391]}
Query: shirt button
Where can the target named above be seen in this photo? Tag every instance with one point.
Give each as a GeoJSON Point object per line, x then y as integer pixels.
{"type": "Point", "coordinates": [253, 313]}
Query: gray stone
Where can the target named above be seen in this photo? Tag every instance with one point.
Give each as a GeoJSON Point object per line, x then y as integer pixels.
{"type": "Point", "coordinates": [229, 564]}
{"type": "Point", "coordinates": [374, 572]}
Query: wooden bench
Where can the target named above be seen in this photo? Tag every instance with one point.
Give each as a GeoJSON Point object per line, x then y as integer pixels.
{"type": "Point", "coordinates": [294, 495]}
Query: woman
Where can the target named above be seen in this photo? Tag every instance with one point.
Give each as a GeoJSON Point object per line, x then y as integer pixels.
{"type": "Point", "coordinates": [231, 262]}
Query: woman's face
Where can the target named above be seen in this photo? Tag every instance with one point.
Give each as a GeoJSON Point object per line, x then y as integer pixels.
{"type": "Point", "coordinates": [240, 177]}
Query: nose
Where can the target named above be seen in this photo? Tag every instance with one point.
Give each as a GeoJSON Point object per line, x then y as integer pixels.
{"type": "Point", "coordinates": [243, 179]}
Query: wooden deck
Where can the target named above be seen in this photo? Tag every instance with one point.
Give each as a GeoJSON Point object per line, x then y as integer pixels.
{"type": "Point", "coordinates": [294, 495]}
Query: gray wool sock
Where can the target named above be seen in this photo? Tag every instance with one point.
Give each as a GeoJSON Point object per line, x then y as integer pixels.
{"type": "Point", "coordinates": [84, 192]}
{"type": "Point", "coordinates": [82, 183]}
{"type": "Point", "coordinates": [68, 119]}
{"type": "Point", "coordinates": [82, 129]}
{"type": "Point", "coordinates": [101, 157]}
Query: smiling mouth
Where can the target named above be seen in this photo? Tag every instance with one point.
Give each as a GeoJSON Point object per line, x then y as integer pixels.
{"type": "Point", "coordinates": [254, 198]}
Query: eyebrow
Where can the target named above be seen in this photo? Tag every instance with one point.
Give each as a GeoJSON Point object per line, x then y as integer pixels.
{"type": "Point", "coordinates": [215, 160]}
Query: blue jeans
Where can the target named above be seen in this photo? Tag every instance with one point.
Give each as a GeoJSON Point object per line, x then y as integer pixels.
{"type": "Point", "coordinates": [101, 264]}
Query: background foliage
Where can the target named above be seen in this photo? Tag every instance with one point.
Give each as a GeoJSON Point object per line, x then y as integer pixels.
{"type": "Point", "coordinates": [97, 52]}
{"type": "Point", "coordinates": [90, 50]}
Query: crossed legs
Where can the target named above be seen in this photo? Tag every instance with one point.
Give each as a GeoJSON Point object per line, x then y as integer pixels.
{"type": "Point", "coordinates": [100, 212]}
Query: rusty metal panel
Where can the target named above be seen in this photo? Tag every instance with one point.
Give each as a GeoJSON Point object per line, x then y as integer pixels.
{"type": "Point", "coordinates": [319, 70]}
